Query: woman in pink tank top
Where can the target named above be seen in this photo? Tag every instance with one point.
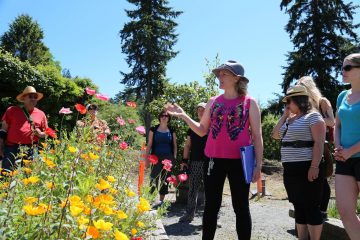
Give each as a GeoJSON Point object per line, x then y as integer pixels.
{"type": "Point", "coordinates": [227, 120]}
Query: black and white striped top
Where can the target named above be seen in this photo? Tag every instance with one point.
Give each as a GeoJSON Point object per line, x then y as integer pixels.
{"type": "Point", "coordinates": [299, 130]}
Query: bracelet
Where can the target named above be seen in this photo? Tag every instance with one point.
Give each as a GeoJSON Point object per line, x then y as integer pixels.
{"type": "Point", "coordinates": [314, 167]}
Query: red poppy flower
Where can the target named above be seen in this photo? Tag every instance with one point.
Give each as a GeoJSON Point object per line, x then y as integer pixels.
{"type": "Point", "coordinates": [90, 91]}
{"type": "Point", "coordinates": [167, 165]}
{"type": "Point", "coordinates": [131, 104]}
{"type": "Point", "coordinates": [101, 137]}
{"type": "Point", "coordinates": [172, 180]}
{"type": "Point", "coordinates": [80, 108]}
{"type": "Point", "coordinates": [51, 132]}
{"type": "Point", "coordinates": [183, 177]}
{"type": "Point", "coordinates": [153, 159]}
{"type": "Point", "coordinates": [123, 145]}
{"type": "Point", "coordinates": [102, 97]}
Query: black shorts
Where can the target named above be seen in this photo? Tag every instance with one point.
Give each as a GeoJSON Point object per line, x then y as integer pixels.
{"type": "Point", "coordinates": [350, 168]}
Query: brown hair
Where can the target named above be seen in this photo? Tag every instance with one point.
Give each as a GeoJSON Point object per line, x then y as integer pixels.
{"type": "Point", "coordinates": [241, 86]}
{"type": "Point", "coordinates": [164, 112]}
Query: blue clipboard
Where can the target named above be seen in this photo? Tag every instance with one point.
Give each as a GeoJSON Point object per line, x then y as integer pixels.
{"type": "Point", "coordinates": [248, 161]}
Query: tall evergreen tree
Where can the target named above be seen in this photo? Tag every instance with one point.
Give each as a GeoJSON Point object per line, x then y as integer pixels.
{"type": "Point", "coordinates": [24, 40]}
{"type": "Point", "coordinates": [322, 32]}
{"type": "Point", "coordinates": [148, 40]}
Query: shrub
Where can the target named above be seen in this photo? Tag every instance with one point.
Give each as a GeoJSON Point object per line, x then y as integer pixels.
{"type": "Point", "coordinates": [271, 146]}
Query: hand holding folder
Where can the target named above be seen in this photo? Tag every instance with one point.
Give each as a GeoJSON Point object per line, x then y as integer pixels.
{"type": "Point", "coordinates": [248, 161]}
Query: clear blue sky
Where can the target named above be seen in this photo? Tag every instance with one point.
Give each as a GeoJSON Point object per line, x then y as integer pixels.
{"type": "Point", "coordinates": [83, 36]}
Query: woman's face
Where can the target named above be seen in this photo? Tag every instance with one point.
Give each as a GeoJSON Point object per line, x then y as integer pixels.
{"type": "Point", "coordinates": [227, 80]}
{"type": "Point", "coordinates": [293, 108]}
{"type": "Point", "coordinates": [350, 74]}
{"type": "Point", "coordinates": [164, 118]}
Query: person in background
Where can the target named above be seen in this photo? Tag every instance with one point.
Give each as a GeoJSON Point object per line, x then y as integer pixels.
{"type": "Point", "coordinates": [323, 106]}
{"type": "Point", "coordinates": [162, 144]}
{"type": "Point", "coordinates": [227, 120]}
{"type": "Point", "coordinates": [22, 126]}
{"type": "Point", "coordinates": [302, 134]}
{"type": "Point", "coordinates": [194, 147]}
{"type": "Point", "coordinates": [99, 126]}
{"type": "Point", "coordinates": [347, 147]}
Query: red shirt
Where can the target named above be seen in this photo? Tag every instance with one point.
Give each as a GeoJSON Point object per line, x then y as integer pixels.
{"type": "Point", "coordinates": [19, 131]}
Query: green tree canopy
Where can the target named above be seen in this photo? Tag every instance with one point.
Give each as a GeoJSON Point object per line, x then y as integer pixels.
{"type": "Point", "coordinates": [148, 40]}
{"type": "Point", "coordinates": [322, 32]}
{"type": "Point", "coordinates": [24, 40]}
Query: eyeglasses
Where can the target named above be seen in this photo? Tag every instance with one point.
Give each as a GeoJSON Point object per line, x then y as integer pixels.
{"type": "Point", "coordinates": [33, 96]}
{"type": "Point", "coordinates": [348, 68]}
{"type": "Point", "coordinates": [164, 116]}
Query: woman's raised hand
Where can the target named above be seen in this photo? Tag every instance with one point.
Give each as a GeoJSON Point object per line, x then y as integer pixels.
{"type": "Point", "coordinates": [174, 110]}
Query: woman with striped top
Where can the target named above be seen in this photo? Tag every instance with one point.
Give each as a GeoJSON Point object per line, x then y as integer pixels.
{"type": "Point", "coordinates": [302, 132]}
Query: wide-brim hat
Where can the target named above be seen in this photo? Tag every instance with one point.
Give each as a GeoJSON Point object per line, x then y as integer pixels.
{"type": "Point", "coordinates": [296, 90]}
{"type": "Point", "coordinates": [28, 90]}
{"type": "Point", "coordinates": [234, 67]}
{"type": "Point", "coordinates": [202, 104]}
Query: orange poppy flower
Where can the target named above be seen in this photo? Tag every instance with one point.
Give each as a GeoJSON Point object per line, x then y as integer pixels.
{"type": "Point", "coordinates": [80, 108]}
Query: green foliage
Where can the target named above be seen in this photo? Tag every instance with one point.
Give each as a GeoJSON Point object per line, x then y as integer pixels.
{"type": "Point", "coordinates": [271, 146]}
{"type": "Point", "coordinates": [58, 91]}
{"type": "Point", "coordinates": [323, 34]}
{"type": "Point", "coordinates": [24, 40]}
{"type": "Point", "coordinates": [148, 40]}
{"type": "Point", "coordinates": [114, 114]}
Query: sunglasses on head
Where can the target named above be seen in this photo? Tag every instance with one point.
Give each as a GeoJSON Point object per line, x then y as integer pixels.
{"type": "Point", "coordinates": [348, 68]}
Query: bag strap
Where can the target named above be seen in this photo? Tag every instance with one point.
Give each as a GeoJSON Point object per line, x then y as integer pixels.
{"type": "Point", "coordinates": [28, 117]}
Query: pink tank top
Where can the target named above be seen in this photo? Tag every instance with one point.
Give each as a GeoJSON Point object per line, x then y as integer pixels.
{"type": "Point", "coordinates": [229, 127]}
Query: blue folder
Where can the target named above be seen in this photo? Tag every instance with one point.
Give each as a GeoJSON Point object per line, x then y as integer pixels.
{"type": "Point", "coordinates": [248, 161]}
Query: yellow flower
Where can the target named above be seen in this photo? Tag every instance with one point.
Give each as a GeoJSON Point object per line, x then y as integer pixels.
{"type": "Point", "coordinates": [82, 221]}
{"type": "Point", "coordinates": [107, 210]}
{"type": "Point", "coordinates": [104, 199]}
{"type": "Point", "coordinates": [89, 198]}
{"type": "Point", "coordinates": [87, 211]}
{"type": "Point", "coordinates": [57, 142]}
{"type": "Point", "coordinates": [72, 149]}
{"type": "Point", "coordinates": [93, 156]}
{"type": "Point", "coordinates": [84, 156]}
{"type": "Point", "coordinates": [140, 224]}
{"type": "Point", "coordinates": [26, 162]}
{"type": "Point", "coordinates": [91, 169]}
{"type": "Point", "coordinates": [103, 184]}
{"type": "Point", "coordinates": [102, 225]}
{"type": "Point", "coordinates": [35, 210]}
{"type": "Point", "coordinates": [4, 185]}
{"type": "Point", "coordinates": [63, 204]}
{"type": "Point", "coordinates": [133, 231]}
{"type": "Point", "coordinates": [50, 163]}
{"type": "Point", "coordinates": [52, 151]}
{"type": "Point", "coordinates": [113, 191]}
{"type": "Point", "coordinates": [13, 173]}
{"type": "Point", "coordinates": [30, 200]}
{"type": "Point", "coordinates": [130, 193]}
{"type": "Point", "coordinates": [27, 170]}
{"type": "Point", "coordinates": [121, 215]}
{"type": "Point", "coordinates": [111, 179]}
{"type": "Point", "coordinates": [143, 206]}
{"type": "Point", "coordinates": [32, 180]}
{"type": "Point", "coordinates": [119, 235]}
{"type": "Point", "coordinates": [50, 185]}
{"type": "Point", "coordinates": [74, 198]}
{"type": "Point", "coordinates": [45, 145]}
{"type": "Point", "coordinates": [75, 210]}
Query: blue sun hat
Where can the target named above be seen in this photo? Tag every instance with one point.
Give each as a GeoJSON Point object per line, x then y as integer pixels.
{"type": "Point", "coordinates": [233, 66]}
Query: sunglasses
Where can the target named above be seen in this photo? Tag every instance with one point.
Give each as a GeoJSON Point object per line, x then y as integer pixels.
{"type": "Point", "coordinates": [33, 96]}
{"type": "Point", "coordinates": [348, 68]}
{"type": "Point", "coordinates": [163, 115]}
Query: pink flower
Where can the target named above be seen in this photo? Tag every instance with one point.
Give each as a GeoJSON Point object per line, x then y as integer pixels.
{"type": "Point", "coordinates": [183, 177]}
{"type": "Point", "coordinates": [131, 121]}
{"type": "Point", "coordinates": [65, 111]}
{"type": "Point", "coordinates": [153, 159]}
{"type": "Point", "coordinates": [123, 145]}
{"type": "Point", "coordinates": [102, 97]}
{"type": "Point", "coordinates": [115, 138]}
{"type": "Point", "coordinates": [90, 91]}
{"type": "Point", "coordinates": [167, 165]}
{"type": "Point", "coordinates": [120, 121]}
{"type": "Point", "coordinates": [172, 180]}
{"type": "Point", "coordinates": [141, 130]}
{"type": "Point", "coordinates": [101, 137]}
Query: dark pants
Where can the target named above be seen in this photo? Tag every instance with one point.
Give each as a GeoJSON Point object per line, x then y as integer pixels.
{"type": "Point", "coordinates": [196, 177]}
{"type": "Point", "coordinates": [214, 184]}
{"type": "Point", "coordinates": [326, 196]}
{"type": "Point", "coordinates": [11, 156]}
{"type": "Point", "coordinates": [303, 194]}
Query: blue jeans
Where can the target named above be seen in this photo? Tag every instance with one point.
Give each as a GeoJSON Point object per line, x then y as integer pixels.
{"type": "Point", "coordinates": [11, 156]}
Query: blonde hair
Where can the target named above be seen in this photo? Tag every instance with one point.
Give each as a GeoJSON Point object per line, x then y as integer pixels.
{"type": "Point", "coordinates": [314, 93]}
{"type": "Point", "coordinates": [241, 87]}
{"type": "Point", "coordinates": [354, 58]}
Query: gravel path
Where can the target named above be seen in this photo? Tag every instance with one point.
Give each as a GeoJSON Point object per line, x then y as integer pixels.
{"type": "Point", "coordinates": [270, 220]}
